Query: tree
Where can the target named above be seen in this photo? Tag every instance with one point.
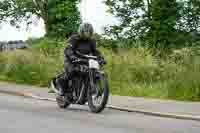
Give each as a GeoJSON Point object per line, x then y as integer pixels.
{"type": "Point", "coordinates": [134, 17]}
{"type": "Point", "coordinates": [189, 19]}
{"type": "Point", "coordinates": [16, 11]}
{"type": "Point", "coordinates": [163, 24]}
{"type": "Point", "coordinates": [64, 18]}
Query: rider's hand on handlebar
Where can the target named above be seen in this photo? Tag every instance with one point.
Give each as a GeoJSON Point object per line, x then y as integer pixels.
{"type": "Point", "coordinates": [75, 59]}
{"type": "Point", "coordinates": [102, 61]}
{"type": "Point", "coordinates": [79, 60]}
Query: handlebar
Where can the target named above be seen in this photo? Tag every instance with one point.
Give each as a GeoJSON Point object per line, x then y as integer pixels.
{"type": "Point", "coordinates": [86, 56]}
{"type": "Point", "coordinates": [100, 60]}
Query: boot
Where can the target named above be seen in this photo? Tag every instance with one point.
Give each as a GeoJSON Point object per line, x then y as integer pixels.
{"type": "Point", "coordinates": [57, 87]}
{"type": "Point", "coordinates": [60, 89]}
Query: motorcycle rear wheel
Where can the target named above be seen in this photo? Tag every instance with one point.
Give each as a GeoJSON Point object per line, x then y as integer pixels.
{"type": "Point", "coordinates": [62, 102]}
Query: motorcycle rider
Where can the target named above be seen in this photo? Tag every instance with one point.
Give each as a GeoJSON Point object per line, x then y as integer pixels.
{"type": "Point", "coordinates": [83, 43]}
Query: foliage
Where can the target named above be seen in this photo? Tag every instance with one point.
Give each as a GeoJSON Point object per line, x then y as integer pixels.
{"type": "Point", "coordinates": [33, 66]}
{"type": "Point", "coordinates": [163, 23]}
{"type": "Point", "coordinates": [16, 11]}
{"type": "Point", "coordinates": [158, 23]}
{"type": "Point", "coordinates": [30, 67]}
{"type": "Point", "coordinates": [132, 17]}
{"type": "Point", "coordinates": [60, 16]}
{"type": "Point", "coordinates": [132, 72]}
{"type": "Point", "coordinates": [113, 44]}
{"type": "Point", "coordinates": [64, 18]}
{"type": "Point", "coordinates": [49, 47]}
{"type": "Point", "coordinates": [189, 16]}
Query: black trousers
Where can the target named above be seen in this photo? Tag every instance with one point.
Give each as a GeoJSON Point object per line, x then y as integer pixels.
{"type": "Point", "coordinates": [63, 79]}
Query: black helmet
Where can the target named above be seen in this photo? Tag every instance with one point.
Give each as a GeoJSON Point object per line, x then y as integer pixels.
{"type": "Point", "coordinates": [86, 30]}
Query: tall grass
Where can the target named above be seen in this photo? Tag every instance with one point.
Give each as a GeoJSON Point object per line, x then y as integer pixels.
{"type": "Point", "coordinates": [132, 72]}
{"type": "Point", "coordinates": [136, 72]}
{"type": "Point", "coordinates": [29, 67]}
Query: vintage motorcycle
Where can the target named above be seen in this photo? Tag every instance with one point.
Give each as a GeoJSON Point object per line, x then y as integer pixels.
{"type": "Point", "coordinates": [88, 85]}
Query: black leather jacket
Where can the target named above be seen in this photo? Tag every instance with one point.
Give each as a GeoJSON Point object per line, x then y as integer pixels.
{"type": "Point", "coordinates": [76, 43]}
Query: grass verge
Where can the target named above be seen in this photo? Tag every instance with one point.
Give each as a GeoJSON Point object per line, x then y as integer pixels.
{"type": "Point", "coordinates": [132, 72]}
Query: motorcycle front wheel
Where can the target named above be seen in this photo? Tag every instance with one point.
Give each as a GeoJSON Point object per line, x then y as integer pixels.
{"type": "Point", "coordinates": [98, 93]}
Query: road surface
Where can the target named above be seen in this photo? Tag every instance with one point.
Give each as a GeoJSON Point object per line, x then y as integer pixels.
{"type": "Point", "coordinates": [24, 115]}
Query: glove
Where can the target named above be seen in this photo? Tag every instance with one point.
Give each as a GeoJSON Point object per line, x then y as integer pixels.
{"type": "Point", "coordinates": [102, 61]}
{"type": "Point", "coordinates": [74, 59]}
{"type": "Point", "coordinates": [79, 60]}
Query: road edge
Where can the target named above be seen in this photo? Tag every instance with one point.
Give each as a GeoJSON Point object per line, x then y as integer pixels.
{"type": "Point", "coordinates": [140, 111]}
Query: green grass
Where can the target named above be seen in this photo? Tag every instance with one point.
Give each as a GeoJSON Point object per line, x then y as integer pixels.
{"type": "Point", "coordinates": [131, 72]}
{"type": "Point", "coordinates": [137, 73]}
{"type": "Point", "coordinates": [30, 67]}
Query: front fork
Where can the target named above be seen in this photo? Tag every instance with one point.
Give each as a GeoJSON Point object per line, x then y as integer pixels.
{"type": "Point", "coordinates": [91, 78]}
{"type": "Point", "coordinates": [93, 89]}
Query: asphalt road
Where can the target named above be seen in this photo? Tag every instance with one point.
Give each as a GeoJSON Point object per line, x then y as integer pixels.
{"type": "Point", "coordinates": [23, 115]}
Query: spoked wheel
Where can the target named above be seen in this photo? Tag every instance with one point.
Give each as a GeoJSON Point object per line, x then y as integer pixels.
{"type": "Point", "coordinates": [98, 94]}
{"type": "Point", "coordinates": [62, 102]}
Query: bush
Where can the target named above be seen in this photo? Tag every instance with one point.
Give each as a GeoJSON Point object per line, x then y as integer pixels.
{"type": "Point", "coordinates": [50, 47]}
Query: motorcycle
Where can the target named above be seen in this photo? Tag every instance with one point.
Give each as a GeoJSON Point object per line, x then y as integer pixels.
{"type": "Point", "coordinates": [89, 85]}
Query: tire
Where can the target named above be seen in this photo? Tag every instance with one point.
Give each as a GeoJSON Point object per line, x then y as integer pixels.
{"type": "Point", "coordinates": [101, 107]}
{"type": "Point", "coordinates": [61, 102]}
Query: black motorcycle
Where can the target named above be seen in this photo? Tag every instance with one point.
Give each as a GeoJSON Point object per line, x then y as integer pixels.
{"type": "Point", "coordinates": [88, 85]}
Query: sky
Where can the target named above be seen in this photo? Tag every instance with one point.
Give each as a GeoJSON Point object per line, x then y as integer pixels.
{"type": "Point", "coordinates": [93, 11]}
